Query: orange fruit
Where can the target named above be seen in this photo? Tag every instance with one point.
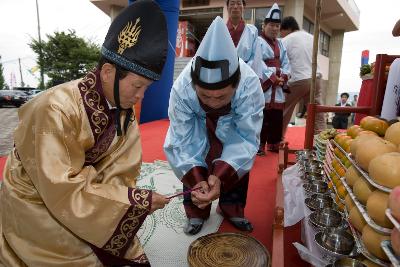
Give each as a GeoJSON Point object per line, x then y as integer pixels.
{"type": "Point", "coordinates": [346, 145]}
{"type": "Point", "coordinates": [374, 124]}
{"type": "Point", "coordinates": [341, 171]}
{"type": "Point", "coordinates": [330, 185]}
{"type": "Point", "coordinates": [341, 190]}
{"type": "Point", "coordinates": [366, 132]}
{"type": "Point", "coordinates": [347, 163]}
{"type": "Point", "coordinates": [335, 163]}
{"type": "Point", "coordinates": [338, 153]}
{"type": "Point", "coordinates": [343, 139]}
{"type": "Point", "coordinates": [354, 130]}
{"type": "Point", "coordinates": [335, 180]}
{"type": "Point", "coordinates": [337, 137]}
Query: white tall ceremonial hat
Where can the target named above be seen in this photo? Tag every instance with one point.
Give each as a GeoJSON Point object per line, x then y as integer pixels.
{"type": "Point", "coordinates": [274, 14]}
{"type": "Point", "coordinates": [216, 64]}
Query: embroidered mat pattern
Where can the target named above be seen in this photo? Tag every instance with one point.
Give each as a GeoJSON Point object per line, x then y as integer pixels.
{"type": "Point", "coordinates": [161, 235]}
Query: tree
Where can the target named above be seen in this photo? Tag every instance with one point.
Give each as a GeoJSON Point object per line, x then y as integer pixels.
{"type": "Point", "coordinates": [65, 56]}
{"type": "Point", "coordinates": [2, 80]}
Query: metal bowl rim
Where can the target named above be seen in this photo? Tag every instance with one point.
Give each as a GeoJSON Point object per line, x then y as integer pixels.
{"type": "Point", "coordinates": [327, 250]}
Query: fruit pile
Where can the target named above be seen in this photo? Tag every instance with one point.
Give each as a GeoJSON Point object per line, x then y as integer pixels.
{"type": "Point", "coordinates": [327, 134]}
{"type": "Point", "coordinates": [368, 157]}
{"type": "Point", "coordinates": [321, 139]}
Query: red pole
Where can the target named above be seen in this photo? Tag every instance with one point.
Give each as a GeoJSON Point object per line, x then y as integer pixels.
{"type": "Point", "coordinates": [310, 124]}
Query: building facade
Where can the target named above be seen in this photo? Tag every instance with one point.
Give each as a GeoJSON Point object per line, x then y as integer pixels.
{"type": "Point", "coordinates": [337, 17]}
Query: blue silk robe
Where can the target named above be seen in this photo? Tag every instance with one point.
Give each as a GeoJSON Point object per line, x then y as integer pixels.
{"type": "Point", "coordinates": [187, 143]}
{"type": "Point", "coordinates": [248, 46]}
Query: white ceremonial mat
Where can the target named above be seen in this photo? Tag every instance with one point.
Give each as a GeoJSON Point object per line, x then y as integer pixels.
{"type": "Point", "coordinates": [161, 235]}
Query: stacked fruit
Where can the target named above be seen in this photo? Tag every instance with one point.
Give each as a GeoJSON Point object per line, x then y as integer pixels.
{"type": "Point", "coordinates": [394, 206]}
{"type": "Point", "coordinates": [322, 139]}
{"type": "Point", "coordinates": [374, 145]}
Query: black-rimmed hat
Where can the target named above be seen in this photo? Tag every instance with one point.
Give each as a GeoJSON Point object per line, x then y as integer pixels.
{"type": "Point", "coordinates": [274, 14]}
{"type": "Point", "coordinates": [216, 64]}
{"type": "Point", "coordinates": [137, 39]}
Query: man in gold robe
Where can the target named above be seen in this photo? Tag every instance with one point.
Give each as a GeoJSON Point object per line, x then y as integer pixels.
{"type": "Point", "coordinates": [69, 196]}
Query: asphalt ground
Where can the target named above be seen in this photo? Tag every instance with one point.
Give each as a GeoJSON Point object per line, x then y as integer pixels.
{"type": "Point", "coordinates": [8, 122]}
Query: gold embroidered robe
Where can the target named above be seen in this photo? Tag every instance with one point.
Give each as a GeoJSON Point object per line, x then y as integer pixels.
{"type": "Point", "coordinates": [68, 196]}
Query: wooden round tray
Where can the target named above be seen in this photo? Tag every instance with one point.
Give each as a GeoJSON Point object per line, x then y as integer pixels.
{"type": "Point", "coordinates": [227, 249]}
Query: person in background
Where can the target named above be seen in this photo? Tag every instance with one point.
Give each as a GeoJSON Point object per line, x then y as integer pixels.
{"type": "Point", "coordinates": [391, 100]}
{"type": "Point", "coordinates": [215, 113]}
{"type": "Point", "coordinates": [69, 195]}
{"type": "Point", "coordinates": [341, 120]}
{"type": "Point", "coordinates": [354, 104]}
{"type": "Point", "coordinates": [274, 80]}
{"type": "Point", "coordinates": [299, 47]}
{"type": "Point", "coordinates": [244, 36]}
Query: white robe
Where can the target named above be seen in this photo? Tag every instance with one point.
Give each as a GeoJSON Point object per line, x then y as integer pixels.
{"type": "Point", "coordinates": [391, 101]}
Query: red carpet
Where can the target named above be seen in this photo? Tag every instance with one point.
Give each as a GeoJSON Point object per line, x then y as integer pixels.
{"type": "Point", "coordinates": [261, 195]}
{"type": "Point", "coordinates": [2, 163]}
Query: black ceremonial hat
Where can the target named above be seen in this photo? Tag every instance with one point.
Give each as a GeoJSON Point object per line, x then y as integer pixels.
{"type": "Point", "coordinates": [137, 39]}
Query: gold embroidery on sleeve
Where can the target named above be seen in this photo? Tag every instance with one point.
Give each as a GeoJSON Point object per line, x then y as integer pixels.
{"type": "Point", "coordinates": [130, 224]}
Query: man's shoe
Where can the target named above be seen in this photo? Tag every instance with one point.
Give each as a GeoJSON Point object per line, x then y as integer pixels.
{"type": "Point", "coordinates": [193, 226]}
{"type": "Point", "coordinates": [273, 147]}
{"type": "Point", "coordinates": [260, 152]}
{"type": "Point", "coordinates": [241, 223]}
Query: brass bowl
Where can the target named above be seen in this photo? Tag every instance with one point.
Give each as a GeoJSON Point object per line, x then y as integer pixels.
{"type": "Point", "coordinates": [335, 241]}
{"type": "Point", "coordinates": [312, 161]}
{"type": "Point", "coordinates": [313, 170]}
{"type": "Point", "coordinates": [315, 187]}
{"type": "Point", "coordinates": [313, 177]}
{"type": "Point", "coordinates": [318, 201]}
{"type": "Point", "coordinates": [348, 262]}
{"type": "Point", "coordinates": [315, 163]}
{"type": "Point", "coordinates": [326, 217]}
{"type": "Point", "coordinates": [305, 154]}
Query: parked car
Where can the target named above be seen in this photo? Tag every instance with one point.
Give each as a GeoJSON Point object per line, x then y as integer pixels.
{"type": "Point", "coordinates": [33, 93]}
{"type": "Point", "coordinates": [13, 98]}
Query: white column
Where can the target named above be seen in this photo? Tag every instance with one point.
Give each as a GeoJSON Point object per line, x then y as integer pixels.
{"type": "Point", "coordinates": [295, 8]}
{"type": "Point", "coordinates": [114, 11]}
{"type": "Point", "coordinates": [335, 57]}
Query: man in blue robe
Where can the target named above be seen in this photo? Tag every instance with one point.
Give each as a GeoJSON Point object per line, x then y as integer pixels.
{"type": "Point", "coordinates": [274, 80]}
{"type": "Point", "coordinates": [215, 113]}
{"type": "Point", "coordinates": [244, 36]}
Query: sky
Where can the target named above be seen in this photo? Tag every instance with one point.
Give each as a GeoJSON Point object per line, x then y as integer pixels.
{"type": "Point", "coordinates": [375, 35]}
{"type": "Point", "coordinates": [18, 22]}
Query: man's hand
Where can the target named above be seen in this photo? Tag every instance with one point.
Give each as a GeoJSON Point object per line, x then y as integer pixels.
{"type": "Point", "coordinates": [203, 191]}
{"type": "Point", "coordinates": [158, 202]}
{"type": "Point", "coordinates": [280, 81]}
{"type": "Point", "coordinates": [202, 200]}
